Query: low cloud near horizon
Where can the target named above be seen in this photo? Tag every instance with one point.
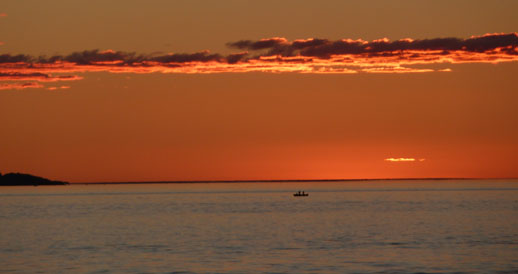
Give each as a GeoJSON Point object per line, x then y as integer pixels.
{"type": "Point", "coordinates": [404, 160]}
{"type": "Point", "coordinates": [270, 55]}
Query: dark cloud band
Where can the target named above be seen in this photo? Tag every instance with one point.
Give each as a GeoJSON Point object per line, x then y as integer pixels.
{"type": "Point", "coordinates": [272, 55]}
{"type": "Point", "coordinates": [324, 48]}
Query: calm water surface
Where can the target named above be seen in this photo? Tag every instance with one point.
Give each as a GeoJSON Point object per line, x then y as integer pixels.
{"type": "Point", "coordinates": [348, 227]}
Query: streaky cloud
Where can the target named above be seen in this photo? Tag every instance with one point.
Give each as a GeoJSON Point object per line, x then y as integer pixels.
{"type": "Point", "coordinates": [324, 48]}
{"type": "Point", "coordinates": [260, 44]}
{"type": "Point", "coordinates": [404, 160]}
{"type": "Point", "coordinates": [17, 86]}
{"type": "Point", "coordinates": [274, 55]}
{"type": "Point", "coordinates": [36, 76]}
{"type": "Point", "coordinates": [56, 88]}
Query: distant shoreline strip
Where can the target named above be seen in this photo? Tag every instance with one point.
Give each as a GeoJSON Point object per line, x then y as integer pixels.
{"type": "Point", "coordinates": [284, 181]}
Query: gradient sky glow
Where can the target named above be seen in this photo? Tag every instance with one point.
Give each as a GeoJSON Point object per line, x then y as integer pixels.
{"type": "Point", "coordinates": [229, 90]}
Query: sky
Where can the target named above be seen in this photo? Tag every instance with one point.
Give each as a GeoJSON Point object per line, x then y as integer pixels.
{"type": "Point", "coordinates": [111, 91]}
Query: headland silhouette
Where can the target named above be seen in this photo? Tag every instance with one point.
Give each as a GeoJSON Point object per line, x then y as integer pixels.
{"type": "Point", "coordinates": [20, 179]}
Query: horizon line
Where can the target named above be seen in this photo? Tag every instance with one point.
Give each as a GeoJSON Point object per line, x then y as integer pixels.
{"type": "Point", "coordinates": [290, 180]}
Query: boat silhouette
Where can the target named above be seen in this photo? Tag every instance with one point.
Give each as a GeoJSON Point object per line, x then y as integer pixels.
{"type": "Point", "coordinates": [300, 194]}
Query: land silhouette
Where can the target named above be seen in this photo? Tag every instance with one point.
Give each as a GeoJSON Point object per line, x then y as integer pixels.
{"type": "Point", "coordinates": [20, 179]}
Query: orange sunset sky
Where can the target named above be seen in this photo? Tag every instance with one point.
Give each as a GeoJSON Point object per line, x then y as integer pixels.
{"type": "Point", "coordinates": [241, 90]}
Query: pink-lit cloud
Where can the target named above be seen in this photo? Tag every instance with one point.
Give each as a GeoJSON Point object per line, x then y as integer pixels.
{"type": "Point", "coordinates": [275, 55]}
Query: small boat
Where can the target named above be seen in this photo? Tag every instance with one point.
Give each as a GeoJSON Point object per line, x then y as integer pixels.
{"type": "Point", "coordinates": [300, 194]}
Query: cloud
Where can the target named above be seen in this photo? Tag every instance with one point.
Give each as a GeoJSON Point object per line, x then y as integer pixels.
{"type": "Point", "coordinates": [60, 87]}
{"type": "Point", "coordinates": [275, 55]}
{"type": "Point", "coordinates": [18, 86]}
{"type": "Point", "coordinates": [36, 76]}
{"type": "Point", "coordinates": [404, 160]}
{"type": "Point", "coordinates": [260, 44]}
{"type": "Point", "coordinates": [111, 57]}
{"type": "Point", "coordinates": [324, 48]}
{"type": "Point", "coordinates": [236, 57]}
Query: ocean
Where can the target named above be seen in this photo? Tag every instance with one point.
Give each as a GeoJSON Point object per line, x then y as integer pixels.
{"type": "Point", "coordinates": [421, 226]}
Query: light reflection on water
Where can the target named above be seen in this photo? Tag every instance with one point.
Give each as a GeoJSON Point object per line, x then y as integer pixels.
{"type": "Point", "coordinates": [351, 227]}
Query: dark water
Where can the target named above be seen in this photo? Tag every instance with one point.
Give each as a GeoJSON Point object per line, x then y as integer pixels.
{"type": "Point", "coordinates": [362, 227]}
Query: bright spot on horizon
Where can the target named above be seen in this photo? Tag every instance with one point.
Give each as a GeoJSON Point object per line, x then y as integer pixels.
{"type": "Point", "coordinates": [403, 160]}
